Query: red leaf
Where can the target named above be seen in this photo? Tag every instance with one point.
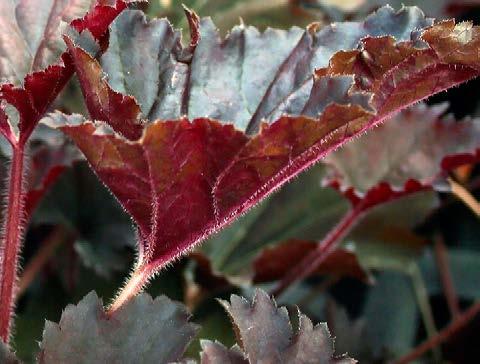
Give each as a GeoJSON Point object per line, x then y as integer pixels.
{"type": "Point", "coordinates": [121, 112]}
{"type": "Point", "coordinates": [149, 187]}
{"type": "Point", "coordinates": [98, 20]}
{"type": "Point", "coordinates": [184, 180]}
{"type": "Point", "coordinates": [273, 262]}
{"type": "Point", "coordinates": [39, 91]}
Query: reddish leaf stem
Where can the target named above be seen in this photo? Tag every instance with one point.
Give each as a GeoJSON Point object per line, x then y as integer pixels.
{"type": "Point", "coordinates": [138, 279]}
{"type": "Point", "coordinates": [311, 262]}
{"type": "Point", "coordinates": [11, 241]}
{"type": "Point", "coordinates": [441, 257]}
{"type": "Point", "coordinates": [45, 252]}
{"type": "Point", "coordinates": [459, 323]}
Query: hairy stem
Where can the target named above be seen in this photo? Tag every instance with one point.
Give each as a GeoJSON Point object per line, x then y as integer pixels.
{"type": "Point", "coordinates": [11, 241]}
{"type": "Point", "coordinates": [458, 324]}
{"type": "Point", "coordinates": [328, 245]}
{"type": "Point", "coordinates": [135, 284]}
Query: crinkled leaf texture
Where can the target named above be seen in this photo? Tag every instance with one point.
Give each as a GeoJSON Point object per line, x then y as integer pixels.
{"type": "Point", "coordinates": [145, 330]}
{"type": "Point", "coordinates": [265, 334]}
{"type": "Point", "coordinates": [33, 65]}
{"type": "Point", "coordinates": [259, 108]}
{"type": "Point", "coordinates": [381, 165]}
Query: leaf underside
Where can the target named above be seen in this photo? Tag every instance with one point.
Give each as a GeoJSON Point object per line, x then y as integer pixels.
{"type": "Point", "coordinates": [245, 132]}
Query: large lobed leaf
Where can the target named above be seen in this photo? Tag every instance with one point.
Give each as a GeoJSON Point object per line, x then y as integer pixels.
{"type": "Point", "coordinates": [158, 330]}
{"type": "Point", "coordinates": [145, 330]}
{"type": "Point", "coordinates": [184, 178]}
{"type": "Point", "coordinates": [381, 167]}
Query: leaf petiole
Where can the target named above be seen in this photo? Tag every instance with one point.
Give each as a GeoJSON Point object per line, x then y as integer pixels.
{"type": "Point", "coordinates": [134, 285]}
{"type": "Point", "coordinates": [11, 240]}
{"type": "Point", "coordinates": [328, 245]}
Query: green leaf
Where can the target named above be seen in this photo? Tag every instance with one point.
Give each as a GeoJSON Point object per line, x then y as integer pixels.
{"type": "Point", "coordinates": [145, 330]}
{"type": "Point", "coordinates": [391, 315]}
{"type": "Point", "coordinates": [213, 327]}
{"type": "Point", "coordinates": [384, 239]}
{"type": "Point", "coordinates": [104, 232]}
{"type": "Point", "coordinates": [465, 270]}
{"type": "Point", "coordinates": [350, 334]}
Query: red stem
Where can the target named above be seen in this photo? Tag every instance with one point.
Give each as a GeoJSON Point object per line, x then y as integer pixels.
{"type": "Point", "coordinates": [441, 256]}
{"type": "Point", "coordinates": [11, 241]}
{"type": "Point", "coordinates": [459, 323]}
{"type": "Point", "coordinates": [311, 262]}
